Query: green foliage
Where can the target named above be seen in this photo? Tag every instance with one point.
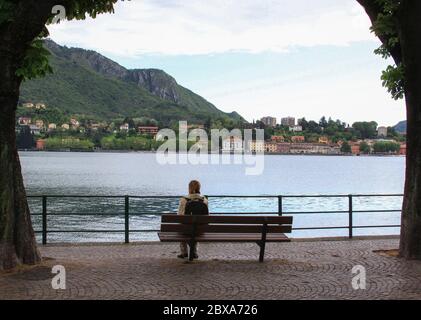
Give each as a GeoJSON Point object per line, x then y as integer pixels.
{"type": "Point", "coordinates": [385, 27]}
{"type": "Point", "coordinates": [80, 9]}
{"type": "Point", "coordinates": [6, 11]}
{"type": "Point", "coordinates": [393, 80]}
{"type": "Point", "coordinates": [365, 148]}
{"type": "Point", "coordinates": [386, 147]}
{"type": "Point", "coordinates": [35, 64]}
{"type": "Point", "coordinates": [365, 130]}
{"type": "Point", "coordinates": [346, 148]}
{"type": "Point", "coordinates": [58, 143]}
{"type": "Point", "coordinates": [137, 143]}
{"type": "Point", "coordinates": [48, 115]}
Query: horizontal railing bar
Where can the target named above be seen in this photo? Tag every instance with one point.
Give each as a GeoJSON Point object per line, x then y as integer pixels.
{"type": "Point", "coordinates": [220, 196]}
{"type": "Point", "coordinates": [379, 195]}
{"type": "Point", "coordinates": [379, 226]}
{"type": "Point", "coordinates": [140, 231]}
{"type": "Point", "coordinates": [65, 214]}
{"type": "Point", "coordinates": [320, 228]}
{"type": "Point", "coordinates": [312, 212]}
{"type": "Point", "coordinates": [375, 211]}
{"type": "Point", "coordinates": [85, 231]}
{"type": "Point", "coordinates": [74, 196]}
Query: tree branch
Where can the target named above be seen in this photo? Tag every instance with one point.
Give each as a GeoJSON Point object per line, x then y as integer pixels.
{"type": "Point", "coordinates": [373, 9]}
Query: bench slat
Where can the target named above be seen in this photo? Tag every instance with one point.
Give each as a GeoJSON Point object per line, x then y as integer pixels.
{"type": "Point", "coordinates": [173, 218]}
{"type": "Point", "coordinates": [223, 228]}
{"type": "Point", "coordinates": [222, 237]}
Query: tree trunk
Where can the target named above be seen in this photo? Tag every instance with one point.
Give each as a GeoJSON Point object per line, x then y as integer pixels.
{"type": "Point", "coordinates": [17, 240]}
{"type": "Point", "coordinates": [410, 36]}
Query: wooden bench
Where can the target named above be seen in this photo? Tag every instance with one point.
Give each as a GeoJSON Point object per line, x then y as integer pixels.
{"type": "Point", "coordinates": [214, 228]}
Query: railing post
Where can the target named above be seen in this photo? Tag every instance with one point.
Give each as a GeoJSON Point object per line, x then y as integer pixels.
{"type": "Point", "coordinates": [44, 220]}
{"type": "Point", "coordinates": [126, 219]}
{"type": "Point", "coordinates": [350, 224]}
{"type": "Point", "coordinates": [280, 209]}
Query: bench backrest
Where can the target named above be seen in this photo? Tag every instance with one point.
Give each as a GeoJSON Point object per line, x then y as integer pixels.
{"type": "Point", "coordinates": [225, 224]}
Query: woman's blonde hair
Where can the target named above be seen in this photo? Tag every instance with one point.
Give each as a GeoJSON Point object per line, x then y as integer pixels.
{"type": "Point", "coordinates": [194, 187]}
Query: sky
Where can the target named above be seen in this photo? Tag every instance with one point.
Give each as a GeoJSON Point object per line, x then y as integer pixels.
{"type": "Point", "coordinates": [257, 57]}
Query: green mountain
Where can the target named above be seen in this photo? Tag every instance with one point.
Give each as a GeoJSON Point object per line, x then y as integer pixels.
{"type": "Point", "coordinates": [86, 83]}
{"type": "Point", "coordinates": [401, 127]}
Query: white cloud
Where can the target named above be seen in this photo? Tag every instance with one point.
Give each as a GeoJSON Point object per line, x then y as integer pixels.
{"type": "Point", "coordinates": [216, 26]}
{"type": "Point", "coordinates": [350, 96]}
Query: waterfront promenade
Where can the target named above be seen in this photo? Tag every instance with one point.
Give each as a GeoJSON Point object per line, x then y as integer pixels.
{"type": "Point", "coordinates": [296, 270]}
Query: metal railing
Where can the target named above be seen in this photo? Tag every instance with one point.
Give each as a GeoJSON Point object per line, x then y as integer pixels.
{"type": "Point", "coordinates": [127, 214]}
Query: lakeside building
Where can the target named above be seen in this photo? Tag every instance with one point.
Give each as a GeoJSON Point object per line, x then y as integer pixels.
{"type": "Point", "coordinates": [232, 145]}
{"type": "Point", "coordinates": [271, 147]}
{"type": "Point", "coordinates": [277, 139]}
{"type": "Point", "coordinates": [124, 127]}
{"type": "Point", "coordinates": [24, 121]}
{"type": "Point", "coordinates": [186, 127]}
{"type": "Point", "coordinates": [65, 126]}
{"type": "Point", "coordinates": [382, 132]}
{"type": "Point", "coordinates": [288, 121]}
{"type": "Point", "coordinates": [35, 130]}
{"type": "Point", "coordinates": [52, 126]}
{"type": "Point", "coordinates": [324, 140]}
{"type": "Point", "coordinates": [40, 106]}
{"type": "Point", "coordinates": [402, 150]}
{"type": "Point", "coordinates": [284, 147]}
{"type": "Point", "coordinates": [296, 128]}
{"type": "Point", "coordinates": [196, 126]}
{"type": "Point", "coordinates": [314, 148]}
{"type": "Point", "coordinates": [40, 144]}
{"type": "Point", "coordinates": [39, 124]}
{"type": "Point", "coordinates": [74, 123]}
{"type": "Point", "coordinates": [298, 139]}
{"type": "Point", "coordinates": [148, 130]}
{"type": "Point", "coordinates": [28, 105]}
{"type": "Point", "coordinates": [257, 146]}
{"type": "Point", "coordinates": [95, 126]}
{"type": "Point", "coordinates": [269, 121]}
{"type": "Point", "coordinates": [355, 147]}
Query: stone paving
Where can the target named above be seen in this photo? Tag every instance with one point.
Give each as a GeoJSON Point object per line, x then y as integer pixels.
{"type": "Point", "coordinates": [296, 270]}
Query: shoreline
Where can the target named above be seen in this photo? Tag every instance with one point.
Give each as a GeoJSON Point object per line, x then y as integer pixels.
{"type": "Point", "coordinates": [265, 154]}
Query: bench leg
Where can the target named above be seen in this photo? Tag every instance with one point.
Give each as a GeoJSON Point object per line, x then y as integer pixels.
{"type": "Point", "coordinates": [191, 250]}
{"type": "Point", "coordinates": [262, 246]}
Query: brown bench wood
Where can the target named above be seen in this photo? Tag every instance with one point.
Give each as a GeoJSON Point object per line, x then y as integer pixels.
{"type": "Point", "coordinates": [213, 228]}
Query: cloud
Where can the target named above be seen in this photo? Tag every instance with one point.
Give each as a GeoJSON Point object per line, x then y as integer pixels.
{"type": "Point", "coordinates": [175, 27]}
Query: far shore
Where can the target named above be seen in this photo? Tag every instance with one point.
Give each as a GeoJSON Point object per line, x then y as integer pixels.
{"type": "Point", "coordinates": [266, 154]}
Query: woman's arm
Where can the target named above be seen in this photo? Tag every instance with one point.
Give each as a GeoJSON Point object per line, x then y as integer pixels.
{"type": "Point", "coordinates": [182, 206]}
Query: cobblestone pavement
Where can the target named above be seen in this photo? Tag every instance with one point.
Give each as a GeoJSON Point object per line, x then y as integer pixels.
{"type": "Point", "coordinates": [296, 270]}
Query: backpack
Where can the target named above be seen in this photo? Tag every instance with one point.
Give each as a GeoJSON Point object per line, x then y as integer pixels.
{"type": "Point", "coordinates": [196, 207]}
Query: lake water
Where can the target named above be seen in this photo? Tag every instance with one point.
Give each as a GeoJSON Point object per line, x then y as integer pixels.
{"type": "Point", "coordinates": [139, 174]}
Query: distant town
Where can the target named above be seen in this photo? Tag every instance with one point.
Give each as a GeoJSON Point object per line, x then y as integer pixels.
{"type": "Point", "coordinates": [43, 129]}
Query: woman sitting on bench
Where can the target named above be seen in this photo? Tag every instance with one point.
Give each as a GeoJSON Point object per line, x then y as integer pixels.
{"type": "Point", "coordinates": [193, 204]}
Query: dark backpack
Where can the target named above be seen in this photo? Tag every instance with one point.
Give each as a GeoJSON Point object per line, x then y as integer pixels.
{"type": "Point", "coordinates": [196, 207]}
